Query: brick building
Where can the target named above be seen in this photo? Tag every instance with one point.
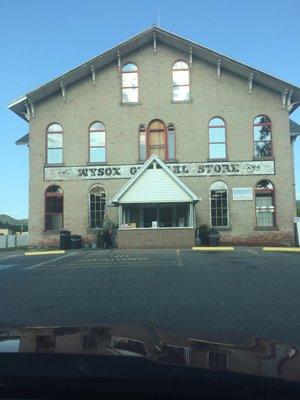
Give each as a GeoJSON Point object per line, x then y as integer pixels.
{"type": "Point", "coordinates": [165, 135]}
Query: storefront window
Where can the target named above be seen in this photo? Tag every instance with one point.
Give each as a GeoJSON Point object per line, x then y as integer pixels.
{"type": "Point", "coordinates": [219, 204]}
{"type": "Point", "coordinates": [53, 208]}
{"type": "Point", "coordinates": [54, 144]}
{"type": "Point", "coordinates": [130, 91]}
{"type": "Point", "coordinates": [181, 81]}
{"type": "Point", "coordinates": [97, 203]}
{"type": "Point", "coordinates": [265, 207]}
{"type": "Point", "coordinates": [150, 215]}
{"type": "Point", "coordinates": [217, 139]}
{"type": "Point", "coordinates": [262, 136]}
{"type": "Point", "coordinates": [97, 142]}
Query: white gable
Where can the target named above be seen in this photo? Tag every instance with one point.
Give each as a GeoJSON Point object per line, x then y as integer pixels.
{"type": "Point", "coordinates": [155, 183]}
{"type": "Point", "coordinates": [155, 186]}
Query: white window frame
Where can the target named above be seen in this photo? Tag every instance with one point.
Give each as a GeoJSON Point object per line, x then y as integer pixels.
{"type": "Point", "coordinates": [219, 185]}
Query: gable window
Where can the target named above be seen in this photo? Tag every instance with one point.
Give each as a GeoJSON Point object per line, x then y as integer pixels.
{"type": "Point", "coordinates": [97, 203]}
{"type": "Point", "coordinates": [54, 207]}
{"type": "Point", "coordinates": [181, 81]}
{"type": "Point", "coordinates": [262, 128]}
{"type": "Point", "coordinates": [219, 204]}
{"type": "Point", "coordinates": [54, 144]}
{"type": "Point", "coordinates": [130, 90]}
{"type": "Point", "coordinates": [265, 204]}
{"type": "Point", "coordinates": [97, 142]}
{"type": "Point", "coordinates": [217, 138]}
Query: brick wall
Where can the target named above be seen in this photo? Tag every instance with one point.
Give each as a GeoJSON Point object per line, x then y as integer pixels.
{"type": "Point", "coordinates": [155, 238]}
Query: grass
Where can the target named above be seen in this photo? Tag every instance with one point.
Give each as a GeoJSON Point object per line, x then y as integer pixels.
{"type": "Point", "coordinates": [14, 248]}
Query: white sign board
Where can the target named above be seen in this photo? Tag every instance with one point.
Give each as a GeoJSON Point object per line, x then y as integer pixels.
{"type": "Point", "coordinates": [242, 193]}
{"type": "Point", "coordinates": [228, 168]}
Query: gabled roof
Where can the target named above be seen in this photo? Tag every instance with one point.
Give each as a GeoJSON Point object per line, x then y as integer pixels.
{"type": "Point", "coordinates": [137, 41]}
{"type": "Point", "coordinates": [294, 127]}
{"type": "Point", "coordinates": [24, 140]}
{"type": "Point", "coordinates": [174, 183]}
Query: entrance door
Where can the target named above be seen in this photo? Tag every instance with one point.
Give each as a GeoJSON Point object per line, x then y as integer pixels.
{"type": "Point", "coordinates": [157, 139]}
{"type": "Point", "coordinates": [150, 214]}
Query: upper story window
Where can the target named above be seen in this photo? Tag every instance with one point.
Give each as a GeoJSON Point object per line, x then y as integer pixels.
{"type": "Point", "coordinates": [54, 208]}
{"type": "Point", "coordinates": [171, 141]}
{"type": "Point", "coordinates": [157, 139]}
{"type": "Point", "coordinates": [142, 143]}
{"type": "Point", "coordinates": [97, 142]}
{"type": "Point", "coordinates": [97, 204]}
{"type": "Point", "coordinates": [262, 129]}
{"type": "Point", "coordinates": [181, 81]}
{"type": "Point", "coordinates": [130, 84]}
{"type": "Point", "coordinates": [217, 138]}
{"type": "Point", "coordinates": [54, 144]}
{"type": "Point", "coordinates": [265, 203]}
{"type": "Point", "coordinates": [219, 213]}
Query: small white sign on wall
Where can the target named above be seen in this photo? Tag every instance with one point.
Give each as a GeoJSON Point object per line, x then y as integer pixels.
{"type": "Point", "coordinates": [242, 193]}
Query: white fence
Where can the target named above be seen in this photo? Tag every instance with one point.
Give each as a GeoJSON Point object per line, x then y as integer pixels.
{"type": "Point", "coordinates": [10, 241]}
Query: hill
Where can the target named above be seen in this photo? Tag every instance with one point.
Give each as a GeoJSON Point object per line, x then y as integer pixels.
{"type": "Point", "coordinates": [13, 224]}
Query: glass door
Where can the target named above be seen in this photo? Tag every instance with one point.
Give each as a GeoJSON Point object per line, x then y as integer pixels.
{"type": "Point", "coordinates": [149, 214]}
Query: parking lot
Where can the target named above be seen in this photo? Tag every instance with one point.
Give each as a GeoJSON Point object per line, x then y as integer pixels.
{"type": "Point", "coordinates": [226, 295]}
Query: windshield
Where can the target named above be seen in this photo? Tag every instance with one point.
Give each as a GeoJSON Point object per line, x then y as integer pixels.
{"type": "Point", "coordinates": [149, 203]}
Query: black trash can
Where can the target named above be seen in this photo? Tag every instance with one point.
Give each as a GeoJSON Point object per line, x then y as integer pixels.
{"type": "Point", "coordinates": [214, 239]}
{"type": "Point", "coordinates": [65, 240]}
{"type": "Point", "coordinates": [76, 242]}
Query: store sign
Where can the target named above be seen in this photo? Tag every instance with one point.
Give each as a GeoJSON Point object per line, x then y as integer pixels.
{"type": "Point", "coordinates": [182, 169]}
{"type": "Point", "coordinates": [242, 193]}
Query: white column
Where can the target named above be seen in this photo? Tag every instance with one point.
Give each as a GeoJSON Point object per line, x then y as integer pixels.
{"type": "Point", "coordinates": [120, 215]}
{"type": "Point", "coordinates": [191, 215]}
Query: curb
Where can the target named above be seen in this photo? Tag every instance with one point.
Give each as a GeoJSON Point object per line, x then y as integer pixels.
{"type": "Point", "coordinates": [212, 248]}
{"type": "Point", "coordinates": [42, 253]}
{"type": "Point", "coordinates": [283, 249]}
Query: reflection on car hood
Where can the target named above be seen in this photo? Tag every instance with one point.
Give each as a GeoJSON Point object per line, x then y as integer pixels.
{"type": "Point", "coordinates": [257, 356]}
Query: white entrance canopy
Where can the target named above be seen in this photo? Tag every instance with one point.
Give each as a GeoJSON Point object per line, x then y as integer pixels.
{"type": "Point", "coordinates": [155, 183]}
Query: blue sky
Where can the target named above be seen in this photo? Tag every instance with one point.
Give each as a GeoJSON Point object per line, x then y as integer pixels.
{"type": "Point", "coordinates": [40, 39]}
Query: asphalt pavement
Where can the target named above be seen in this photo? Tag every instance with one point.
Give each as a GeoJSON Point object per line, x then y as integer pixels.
{"type": "Point", "coordinates": [221, 295]}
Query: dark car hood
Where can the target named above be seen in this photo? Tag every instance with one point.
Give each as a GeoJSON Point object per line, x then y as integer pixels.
{"type": "Point", "coordinates": [256, 356]}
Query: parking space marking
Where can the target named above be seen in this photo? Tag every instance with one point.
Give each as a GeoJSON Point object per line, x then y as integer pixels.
{"type": "Point", "coordinates": [179, 259]}
{"type": "Point", "coordinates": [3, 266]}
{"type": "Point", "coordinates": [5, 258]}
{"type": "Point", "coordinates": [252, 251]}
{"type": "Point", "coordinates": [49, 261]}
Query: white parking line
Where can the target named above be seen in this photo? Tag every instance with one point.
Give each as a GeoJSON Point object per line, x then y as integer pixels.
{"type": "Point", "coordinates": [5, 258]}
{"type": "Point", "coordinates": [49, 261]}
{"type": "Point", "coordinates": [179, 259]}
{"type": "Point", "coordinates": [252, 251]}
{"type": "Point", "coordinates": [2, 267]}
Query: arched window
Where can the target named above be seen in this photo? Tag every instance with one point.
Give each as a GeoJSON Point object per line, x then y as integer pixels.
{"type": "Point", "coordinates": [219, 214]}
{"type": "Point", "coordinates": [181, 81]}
{"type": "Point", "coordinates": [97, 203]}
{"type": "Point", "coordinates": [130, 84]}
{"type": "Point", "coordinates": [142, 143]}
{"type": "Point", "coordinates": [171, 141]}
{"type": "Point", "coordinates": [97, 142]}
{"type": "Point", "coordinates": [264, 203]}
{"type": "Point", "coordinates": [54, 208]}
{"type": "Point", "coordinates": [54, 144]}
{"type": "Point", "coordinates": [156, 139]}
{"type": "Point", "coordinates": [262, 129]}
{"type": "Point", "coordinates": [217, 138]}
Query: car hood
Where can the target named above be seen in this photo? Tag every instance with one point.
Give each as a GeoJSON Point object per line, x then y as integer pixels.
{"type": "Point", "coordinates": [255, 356]}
